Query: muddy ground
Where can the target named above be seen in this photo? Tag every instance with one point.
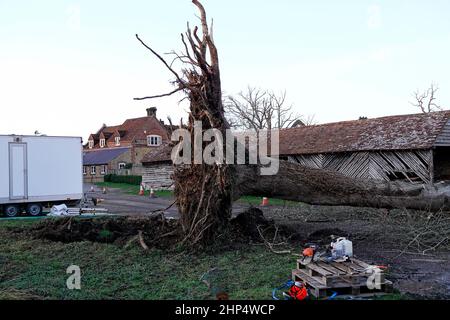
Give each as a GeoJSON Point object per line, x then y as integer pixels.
{"type": "Point", "coordinates": [415, 246]}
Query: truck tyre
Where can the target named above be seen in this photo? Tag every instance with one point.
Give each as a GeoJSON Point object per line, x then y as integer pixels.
{"type": "Point", "coordinates": [34, 209]}
{"type": "Point", "coordinates": [11, 210]}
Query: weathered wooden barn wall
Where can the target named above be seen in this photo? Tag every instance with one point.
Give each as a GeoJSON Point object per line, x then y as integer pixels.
{"type": "Point", "coordinates": [414, 165]}
{"type": "Point", "coordinates": [158, 175]}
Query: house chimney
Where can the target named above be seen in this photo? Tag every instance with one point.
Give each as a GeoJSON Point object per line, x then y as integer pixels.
{"type": "Point", "coordinates": [151, 112]}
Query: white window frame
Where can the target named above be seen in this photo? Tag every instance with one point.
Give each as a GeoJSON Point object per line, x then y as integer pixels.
{"type": "Point", "coordinates": [104, 169]}
{"type": "Point", "coordinates": [93, 170]}
{"type": "Point", "coordinates": [91, 144]}
{"type": "Point", "coordinates": [154, 141]}
{"type": "Point", "coordinates": [102, 143]}
{"type": "Point", "coordinates": [84, 170]}
{"type": "Point", "coordinates": [117, 139]}
{"type": "Point", "coordinates": [122, 165]}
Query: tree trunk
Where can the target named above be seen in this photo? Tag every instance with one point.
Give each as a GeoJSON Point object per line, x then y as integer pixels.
{"type": "Point", "coordinates": [322, 187]}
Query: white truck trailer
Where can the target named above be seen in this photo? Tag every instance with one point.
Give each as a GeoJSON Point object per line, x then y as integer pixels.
{"type": "Point", "coordinates": [38, 172]}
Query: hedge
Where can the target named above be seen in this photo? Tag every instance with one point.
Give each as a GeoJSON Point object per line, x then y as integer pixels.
{"type": "Point", "coordinates": [133, 180]}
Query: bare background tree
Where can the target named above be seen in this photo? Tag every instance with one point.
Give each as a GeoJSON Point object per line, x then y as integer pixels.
{"type": "Point", "coordinates": [426, 100]}
{"type": "Point", "coordinates": [258, 109]}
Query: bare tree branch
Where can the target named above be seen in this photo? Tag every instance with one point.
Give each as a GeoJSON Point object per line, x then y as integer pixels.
{"type": "Point", "coordinates": [160, 95]}
{"type": "Point", "coordinates": [258, 109]}
{"type": "Point", "coordinates": [162, 60]}
{"type": "Point", "coordinates": [426, 101]}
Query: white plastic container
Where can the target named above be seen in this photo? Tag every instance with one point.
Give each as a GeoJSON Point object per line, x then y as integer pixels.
{"type": "Point", "coordinates": [342, 247]}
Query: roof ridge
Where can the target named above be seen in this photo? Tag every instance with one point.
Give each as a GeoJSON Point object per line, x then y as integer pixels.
{"type": "Point", "coordinates": [413, 131]}
{"type": "Point", "coordinates": [369, 119]}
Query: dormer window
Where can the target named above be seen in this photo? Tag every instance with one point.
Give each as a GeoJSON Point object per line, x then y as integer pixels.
{"type": "Point", "coordinates": [90, 144]}
{"type": "Point", "coordinates": [102, 143]}
{"type": "Point", "coordinates": [154, 141]}
{"type": "Point", "coordinates": [117, 139]}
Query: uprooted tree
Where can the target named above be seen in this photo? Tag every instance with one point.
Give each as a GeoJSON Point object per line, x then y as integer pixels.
{"type": "Point", "coordinates": [205, 193]}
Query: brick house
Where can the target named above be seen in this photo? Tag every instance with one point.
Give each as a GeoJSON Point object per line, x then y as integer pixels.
{"type": "Point", "coordinates": [102, 162]}
{"type": "Point", "coordinates": [120, 149]}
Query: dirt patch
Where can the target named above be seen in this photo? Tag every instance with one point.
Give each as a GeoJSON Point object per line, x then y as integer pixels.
{"type": "Point", "coordinates": [15, 294]}
{"type": "Point", "coordinates": [413, 245]}
{"type": "Point", "coordinates": [156, 231]}
{"type": "Point", "coordinates": [247, 223]}
{"type": "Point", "coordinates": [324, 236]}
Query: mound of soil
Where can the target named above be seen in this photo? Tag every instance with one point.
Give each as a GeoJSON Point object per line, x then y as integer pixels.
{"type": "Point", "coordinates": [324, 235]}
{"type": "Point", "coordinates": [251, 226]}
{"type": "Point", "coordinates": [156, 232]}
{"type": "Point", "coordinates": [247, 223]}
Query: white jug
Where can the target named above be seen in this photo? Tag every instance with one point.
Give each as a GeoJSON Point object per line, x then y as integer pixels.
{"type": "Point", "coordinates": [342, 247]}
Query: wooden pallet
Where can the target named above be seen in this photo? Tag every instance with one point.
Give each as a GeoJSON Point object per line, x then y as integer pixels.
{"type": "Point", "coordinates": [346, 279]}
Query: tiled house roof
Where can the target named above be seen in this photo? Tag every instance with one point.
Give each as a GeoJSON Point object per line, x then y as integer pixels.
{"type": "Point", "coordinates": [405, 132]}
{"type": "Point", "coordinates": [99, 157]}
{"type": "Point", "coordinates": [131, 132]}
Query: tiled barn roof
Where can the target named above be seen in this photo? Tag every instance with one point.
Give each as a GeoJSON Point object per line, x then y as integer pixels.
{"type": "Point", "coordinates": [405, 132]}
{"type": "Point", "coordinates": [160, 154]}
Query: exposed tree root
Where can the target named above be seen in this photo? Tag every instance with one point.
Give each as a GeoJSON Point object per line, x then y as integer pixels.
{"type": "Point", "coordinates": [157, 232]}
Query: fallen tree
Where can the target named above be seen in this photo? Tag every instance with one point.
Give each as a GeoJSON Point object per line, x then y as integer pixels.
{"type": "Point", "coordinates": [322, 187]}
{"type": "Point", "coordinates": [204, 193]}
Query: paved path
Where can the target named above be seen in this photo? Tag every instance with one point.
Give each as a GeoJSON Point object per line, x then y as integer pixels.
{"type": "Point", "coordinates": [118, 202]}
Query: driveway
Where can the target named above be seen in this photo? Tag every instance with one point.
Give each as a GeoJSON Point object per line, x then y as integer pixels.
{"type": "Point", "coordinates": [121, 203]}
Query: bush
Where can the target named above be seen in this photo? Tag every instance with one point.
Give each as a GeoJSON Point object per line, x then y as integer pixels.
{"type": "Point", "coordinates": [133, 180]}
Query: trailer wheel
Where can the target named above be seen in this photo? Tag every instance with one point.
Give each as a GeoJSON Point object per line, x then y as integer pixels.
{"type": "Point", "coordinates": [34, 209]}
{"type": "Point", "coordinates": [11, 210]}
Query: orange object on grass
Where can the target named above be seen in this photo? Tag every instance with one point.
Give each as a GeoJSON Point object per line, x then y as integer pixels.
{"type": "Point", "coordinates": [298, 291]}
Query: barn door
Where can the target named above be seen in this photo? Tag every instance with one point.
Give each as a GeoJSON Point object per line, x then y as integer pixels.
{"type": "Point", "coordinates": [18, 180]}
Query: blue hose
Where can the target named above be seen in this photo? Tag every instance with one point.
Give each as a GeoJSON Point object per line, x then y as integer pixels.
{"type": "Point", "coordinates": [288, 284]}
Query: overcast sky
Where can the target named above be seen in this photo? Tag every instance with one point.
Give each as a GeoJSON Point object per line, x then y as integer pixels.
{"type": "Point", "coordinates": [67, 67]}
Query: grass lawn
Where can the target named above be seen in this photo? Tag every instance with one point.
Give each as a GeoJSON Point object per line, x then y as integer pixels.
{"type": "Point", "coordinates": [132, 189]}
{"type": "Point", "coordinates": [255, 201]}
{"type": "Point", "coordinates": [36, 268]}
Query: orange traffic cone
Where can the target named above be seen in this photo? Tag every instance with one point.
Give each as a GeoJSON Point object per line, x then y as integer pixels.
{"type": "Point", "coordinates": [152, 193]}
{"type": "Point", "coordinates": [141, 190]}
{"type": "Point", "coordinates": [265, 202]}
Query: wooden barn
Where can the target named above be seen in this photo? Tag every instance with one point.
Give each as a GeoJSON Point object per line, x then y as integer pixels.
{"type": "Point", "coordinates": [414, 148]}
{"type": "Point", "coordinates": [158, 168]}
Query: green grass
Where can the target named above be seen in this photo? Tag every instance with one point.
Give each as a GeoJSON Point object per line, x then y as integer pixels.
{"type": "Point", "coordinates": [254, 201]}
{"type": "Point", "coordinates": [132, 189]}
{"type": "Point", "coordinates": [35, 268]}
